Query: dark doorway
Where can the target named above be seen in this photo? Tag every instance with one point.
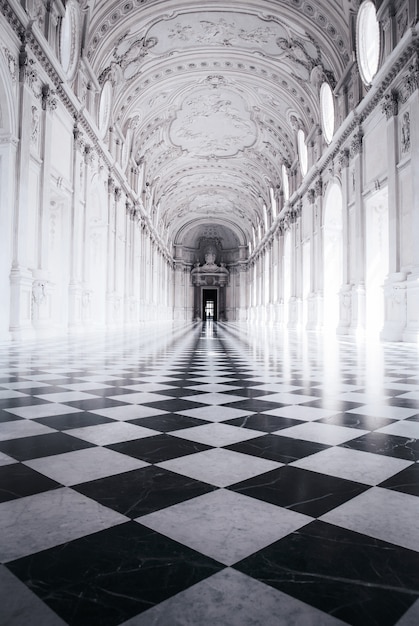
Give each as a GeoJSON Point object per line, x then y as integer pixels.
{"type": "Point", "coordinates": [209, 304]}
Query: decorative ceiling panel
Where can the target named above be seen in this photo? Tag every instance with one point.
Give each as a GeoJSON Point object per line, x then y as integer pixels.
{"type": "Point", "coordinates": [218, 92]}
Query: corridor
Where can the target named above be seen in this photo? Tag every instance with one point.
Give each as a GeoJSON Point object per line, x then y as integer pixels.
{"type": "Point", "coordinates": [209, 475]}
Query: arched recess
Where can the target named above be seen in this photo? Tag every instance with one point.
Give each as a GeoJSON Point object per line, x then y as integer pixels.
{"type": "Point", "coordinates": [332, 255]}
{"type": "Point", "coordinates": [8, 145]}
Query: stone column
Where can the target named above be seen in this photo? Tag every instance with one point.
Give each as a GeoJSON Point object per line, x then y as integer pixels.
{"type": "Point", "coordinates": [358, 288]}
{"type": "Point", "coordinates": [21, 296]}
{"type": "Point", "coordinates": [410, 141]}
{"type": "Point", "coordinates": [345, 293]}
{"type": "Point", "coordinates": [41, 307]}
{"type": "Point", "coordinates": [110, 256]}
{"type": "Point", "coordinates": [394, 285]}
{"type": "Point", "coordinates": [76, 230]}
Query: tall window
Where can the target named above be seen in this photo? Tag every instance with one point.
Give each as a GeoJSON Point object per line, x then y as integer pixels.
{"type": "Point", "coordinates": [327, 110]}
{"type": "Point", "coordinates": [285, 183]}
{"type": "Point", "coordinates": [367, 41]}
{"type": "Point", "coordinates": [302, 151]}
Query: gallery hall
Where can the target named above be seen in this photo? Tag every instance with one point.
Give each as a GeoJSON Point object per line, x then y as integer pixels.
{"type": "Point", "coordinates": [209, 313]}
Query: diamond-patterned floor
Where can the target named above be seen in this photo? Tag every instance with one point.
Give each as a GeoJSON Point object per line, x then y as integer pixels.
{"type": "Point", "coordinates": [207, 475]}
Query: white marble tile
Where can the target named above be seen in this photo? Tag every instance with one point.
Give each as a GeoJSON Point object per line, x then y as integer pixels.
{"type": "Point", "coordinates": [384, 410]}
{"type": "Point", "coordinates": [138, 398]}
{"type": "Point", "coordinates": [67, 396]}
{"type": "Point", "coordinates": [215, 413]}
{"type": "Point", "coordinates": [224, 525]}
{"type": "Point", "coordinates": [401, 428]}
{"type": "Point", "coordinates": [230, 598]}
{"type": "Point", "coordinates": [7, 394]}
{"type": "Point", "coordinates": [303, 413]}
{"type": "Point", "coordinates": [43, 410]}
{"type": "Point", "coordinates": [5, 459]}
{"type": "Point", "coordinates": [22, 428]}
{"type": "Point", "coordinates": [21, 607]}
{"type": "Point", "coordinates": [219, 467]}
{"type": "Point", "coordinates": [129, 412]}
{"type": "Point", "coordinates": [410, 395]}
{"type": "Point", "coordinates": [215, 398]}
{"type": "Point", "coordinates": [411, 617]}
{"type": "Point", "coordinates": [381, 513]}
{"type": "Point", "coordinates": [216, 434]}
{"type": "Point", "coordinates": [276, 388]}
{"type": "Point", "coordinates": [47, 519]}
{"type": "Point", "coordinates": [148, 387]}
{"type": "Point", "coordinates": [328, 434]}
{"type": "Point", "coordinates": [105, 434]}
{"type": "Point", "coordinates": [364, 398]}
{"type": "Point", "coordinates": [82, 466]}
{"type": "Point", "coordinates": [362, 467]}
{"type": "Point", "coordinates": [289, 398]}
{"type": "Point", "coordinates": [86, 386]}
{"type": "Point", "coordinates": [24, 384]}
{"type": "Point", "coordinates": [213, 388]}
{"type": "Point", "coordinates": [212, 379]}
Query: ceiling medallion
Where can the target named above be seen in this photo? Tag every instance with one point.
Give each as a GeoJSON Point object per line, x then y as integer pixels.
{"type": "Point", "coordinates": [213, 122]}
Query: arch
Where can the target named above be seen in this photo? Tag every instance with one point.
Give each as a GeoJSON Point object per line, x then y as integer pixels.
{"type": "Point", "coordinates": [332, 255]}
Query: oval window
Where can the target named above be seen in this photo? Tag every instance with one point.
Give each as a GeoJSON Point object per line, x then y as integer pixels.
{"type": "Point", "coordinates": [367, 41]}
{"type": "Point", "coordinates": [70, 40]}
{"type": "Point", "coordinates": [327, 109]}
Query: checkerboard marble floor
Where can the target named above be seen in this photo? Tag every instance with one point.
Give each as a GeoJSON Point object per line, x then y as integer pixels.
{"type": "Point", "coordinates": [209, 475]}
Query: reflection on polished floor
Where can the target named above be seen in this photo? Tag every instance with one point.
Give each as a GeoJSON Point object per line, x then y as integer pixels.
{"type": "Point", "coordinates": [209, 475]}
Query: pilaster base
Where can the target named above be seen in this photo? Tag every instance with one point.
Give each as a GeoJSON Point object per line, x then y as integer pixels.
{"type": "Point", "coordinates": [395, 309]}
{"type": "Point", "coordinates": [411, 332]}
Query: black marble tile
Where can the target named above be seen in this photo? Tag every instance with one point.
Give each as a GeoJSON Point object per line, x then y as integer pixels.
{"type": "Point", "coordinates": [73, 420]}
{"type": "Point", "coordinates": [247, 392]}
{"type": "Point", "coordinates": [277, 448]}
{"type": "Point", "coordinates": [332, 404]}
{"type": "Point", "coordinates": [111, 391]}
{"type": "Point", "coordinates": [168, 422]}
{"type": "Point", "coordinates": [353, 420]}
{"type": "Point", "coordinates": [17, 481]}
{"type": "Point", "coordinates": [254, 405]}
{"type": "Point", "coordinates": [358, 579]}
{"type": "Point", "coordinates": [388, 445]}
{"type": "Point", "coordinates": [300, 490]}
{"type": "Point", "coordinates": [178, 392]}
{"type": "Point", "coordinates": [263, 422]}
{"type": "Point", "coordinates": [14, 403]}
{"type": "Point", "coordinates": [5, 416]}
{"type": "Point", "coordinates": [175, 404]}
{"type": "Point", "coordinates": [108, 577]}
{"type": "Point", "coordinates": [158, 448]}
{"type": "Point", "coordinates": [406, 481]}
{"type": "Point", "coordinates": [39, 446]}
{"type": "Point", "coordinates": [143, 491]}
{"type": "Point", "coordinates": [93, 404]}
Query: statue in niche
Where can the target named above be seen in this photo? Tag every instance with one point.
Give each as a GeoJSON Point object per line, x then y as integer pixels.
{"type": "Point", "coordinates": [210, 265]}
{"type": "Point", "coordinates": [406, 133]}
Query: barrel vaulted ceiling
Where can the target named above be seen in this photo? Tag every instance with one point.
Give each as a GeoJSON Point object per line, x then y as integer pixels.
{"type": "Point", "coordinates": [210, 95]}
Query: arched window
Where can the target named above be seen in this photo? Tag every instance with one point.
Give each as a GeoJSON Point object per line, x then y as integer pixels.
{"type": "Point", "coordinates": [367, 41]}
{"type": "Point", "coordinates": [285, 183]}
{"type": "Point", "coordinates": [105, 107]}
{"type": "Point", "coordinates": [302, 151]}
{"type": "Point", "coordinates": [327, 111]}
